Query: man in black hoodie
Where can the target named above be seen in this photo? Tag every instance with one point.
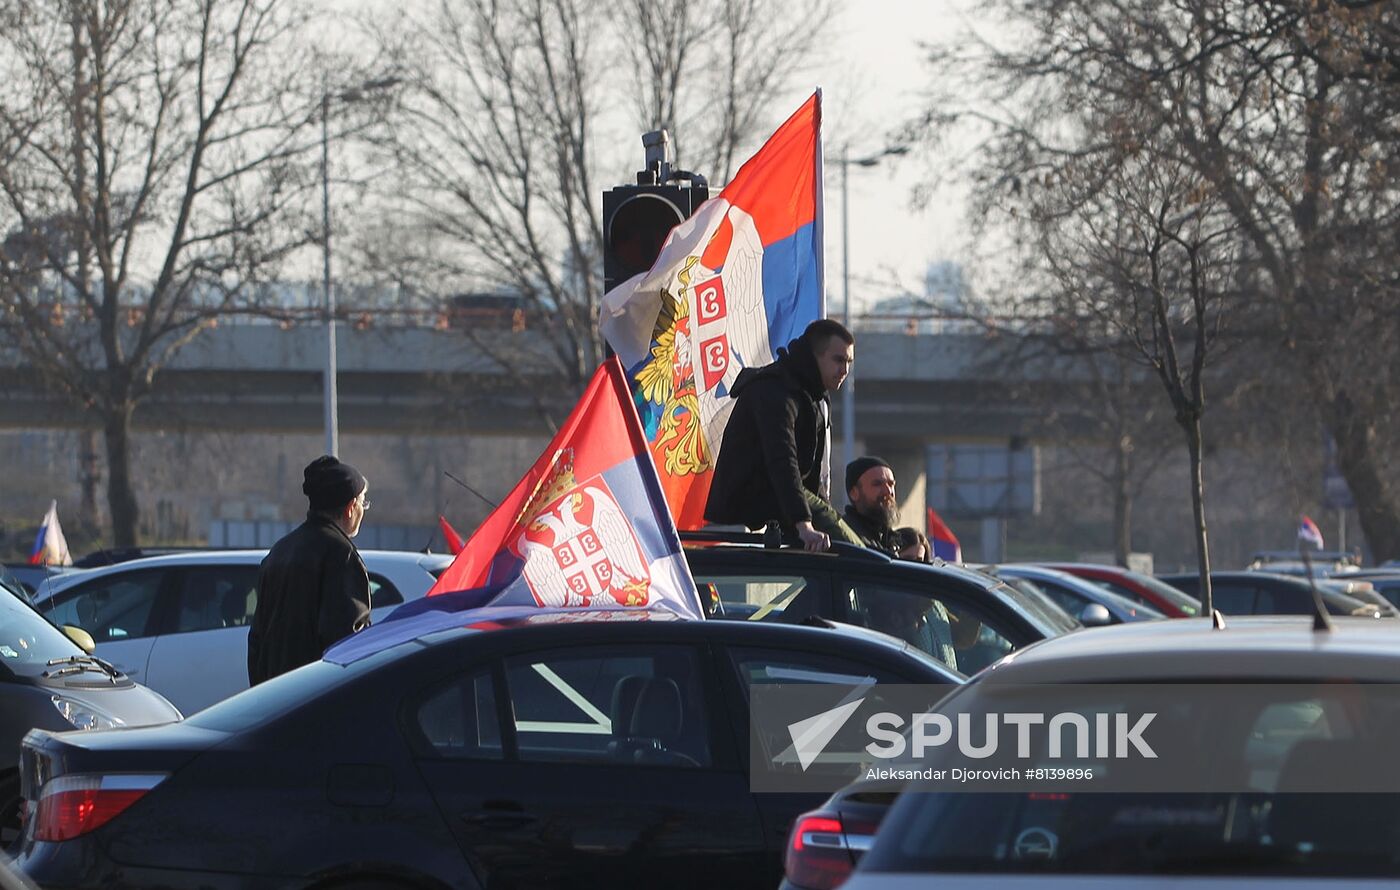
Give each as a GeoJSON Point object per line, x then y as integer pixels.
{"type": "Point", "coordinates": [312, 586]}
{"type": "Point", "coordinates": [770, 462]}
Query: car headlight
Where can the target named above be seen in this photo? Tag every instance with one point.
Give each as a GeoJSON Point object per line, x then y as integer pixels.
{"type": "Point", "coordinates": [84, 716]}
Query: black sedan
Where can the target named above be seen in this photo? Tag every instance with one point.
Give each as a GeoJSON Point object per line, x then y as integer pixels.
{"type": "Point", "coordinates": [545, 751]}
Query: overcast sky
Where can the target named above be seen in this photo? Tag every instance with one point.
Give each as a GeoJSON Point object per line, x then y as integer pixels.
{"type": "Point", "coordinates": [872, 79]}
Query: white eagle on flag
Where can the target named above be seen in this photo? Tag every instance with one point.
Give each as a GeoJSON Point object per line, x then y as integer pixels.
{"type": "Point", "coordinates": [581, 551]}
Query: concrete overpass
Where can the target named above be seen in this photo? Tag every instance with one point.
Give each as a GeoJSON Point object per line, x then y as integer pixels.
{"type": "Point", "coordinates": [911, 391]}
{"type": "Point", "coordinates": [260, 377]}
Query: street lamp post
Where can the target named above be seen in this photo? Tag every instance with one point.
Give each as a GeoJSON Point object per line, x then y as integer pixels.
{"type": "Point", "coordinates": [330, 394]}
{"type": "Point", "coordinates": [328, 374]}
{"type": "Point", "coordinates": [848, 392]}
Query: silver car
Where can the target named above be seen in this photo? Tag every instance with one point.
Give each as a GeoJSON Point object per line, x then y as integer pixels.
{"type": "Point", "coordinates": [179, 623]}
{"type": "Point", "coordinates": [1307, 720]}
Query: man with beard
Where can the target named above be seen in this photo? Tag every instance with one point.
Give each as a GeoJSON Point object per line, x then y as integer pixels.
{"type": "Point", "coordinates": [872, 513]}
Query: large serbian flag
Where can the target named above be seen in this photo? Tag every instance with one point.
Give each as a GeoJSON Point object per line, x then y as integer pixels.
{"type": "Point", "coordinates": [50, 546]}
{"type": "Point", "coordinates": [587, 528]}
{"type": "Point", "coordinates": [739, 278]}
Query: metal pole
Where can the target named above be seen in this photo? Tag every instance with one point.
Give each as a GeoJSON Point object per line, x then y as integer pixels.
{"type": "Point", "coordinates": [329, 372]}
{"type": "Point", "coordinates": [848, 393]}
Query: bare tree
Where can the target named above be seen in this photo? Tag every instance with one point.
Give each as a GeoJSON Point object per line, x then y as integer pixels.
{"type": "Point", "coordinates": [1285, 110]}
{"type": "Point", "coordinates": [1139, 251]}
{"type": "Point", "coordinates": [509, 129]}
{"type": "Point", "coordinates": [153, 163]}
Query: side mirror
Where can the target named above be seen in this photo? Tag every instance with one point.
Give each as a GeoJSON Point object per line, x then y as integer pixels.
{"type": "Point", "coordinates": [1095, 615]}
{"type": "Point", "coordinates": [81, 637]}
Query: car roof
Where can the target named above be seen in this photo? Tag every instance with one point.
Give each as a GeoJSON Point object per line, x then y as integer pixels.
{"type": "Point", "coordinates": [378, 558]}
{"type": "Point", "coordinates": [824, 635]}
{"type": "Point", "coordinates": [1276, 647]}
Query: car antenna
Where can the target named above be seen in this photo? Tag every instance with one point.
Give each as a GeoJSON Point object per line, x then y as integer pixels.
{"type": "Point", "coordinates": [1321, 621]}
{"type": "Point", "coordinates": [490, 503]}
{"type": "Point", "coordinates": [1217, 619]}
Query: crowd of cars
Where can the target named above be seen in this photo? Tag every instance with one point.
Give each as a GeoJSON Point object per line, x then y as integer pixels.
{"type": "Point", "coordinates": [595, 751]}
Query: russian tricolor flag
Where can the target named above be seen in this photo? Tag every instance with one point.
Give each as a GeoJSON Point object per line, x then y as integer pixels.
{"type": "Point", "coordinates": [739, 278]}
{"type": "Point", "coordinates": [50, 547]}
{"type": "Point", "coordinates": [586, 528]}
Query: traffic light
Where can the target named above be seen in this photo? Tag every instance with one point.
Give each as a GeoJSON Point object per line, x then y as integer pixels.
{"type": "Point", "coordinates": [636, 221]}
{"type": "Point", "coordinates": [637, 218]}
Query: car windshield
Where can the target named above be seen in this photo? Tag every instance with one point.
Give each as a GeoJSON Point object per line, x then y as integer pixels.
{"type": "Point", "coordinates": [1052, 620]}
{"type": "Point", "coordinates": [1284, 733]}
{"type": "Point", "coordinates": [27, 640]}
{"type": "Point", "coordinates": [1188, 604]}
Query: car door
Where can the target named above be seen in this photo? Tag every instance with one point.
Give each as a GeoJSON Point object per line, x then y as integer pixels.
{"type": "Point", "coordinates": [745, 667]}
{"type": "Point", "coordinates": [591, 766]}
{"type": "Point", "coordinates": [201, 654]}
{"type": "Point", "coordinates": [122, 612]}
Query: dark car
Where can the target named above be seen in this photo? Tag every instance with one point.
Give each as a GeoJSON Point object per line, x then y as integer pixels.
{"type": "Point", "coordinates": [577, 750]}
{"type": "Point", "coordinates": [964, 617]}
{"type": "Point", "coordinates": [1264, 593]}
{"type": "Point", "coordinates": [47, 681]}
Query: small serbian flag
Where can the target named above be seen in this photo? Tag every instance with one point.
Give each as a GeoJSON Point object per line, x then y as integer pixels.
{"type": "Point", "coordinates": [50, 547]}
{"type": "Point", "coordinates": [450, 536]}
{"type": "Point", "coordinates": [941, 538]}
{"type": "Point", "coordinates": [738, 279]}
{"type": "Point", "coordinates": [587, 528]}
{"type": "Point", "coordinates": [1309, 532]}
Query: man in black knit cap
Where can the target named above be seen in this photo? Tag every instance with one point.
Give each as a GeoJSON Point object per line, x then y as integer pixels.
{"type": "Point", "coordinates": [312, 585]}
{"type": "Point", "coordinates": [872, 511]}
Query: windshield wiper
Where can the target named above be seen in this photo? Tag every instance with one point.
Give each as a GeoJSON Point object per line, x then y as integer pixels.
{"type": "Point", "coordinates": [76, 663]}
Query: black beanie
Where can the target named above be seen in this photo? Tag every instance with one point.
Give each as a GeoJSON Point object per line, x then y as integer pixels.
{"type": "Point", "coordinates": [856, 468]}
{"type": "Point", "coordinates": [331, 484]}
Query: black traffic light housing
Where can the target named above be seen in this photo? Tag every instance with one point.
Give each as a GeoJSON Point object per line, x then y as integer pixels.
{"type": "Point", "coordinates": [637, 218]}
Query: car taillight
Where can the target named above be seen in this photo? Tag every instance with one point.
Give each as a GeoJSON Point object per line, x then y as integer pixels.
{"type": "Point", "coordinates": [70, 806]}
{"type": "Point", "coordinates": [818, 857]}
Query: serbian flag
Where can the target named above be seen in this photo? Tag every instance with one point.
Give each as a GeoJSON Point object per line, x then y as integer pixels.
{"type": "Point", "coordinates": [449, 535]}
{"type": "Point", "coordinates": [941, 538]}
{"type": "Point", "coordinates": [736, 280]}
{"type": "Point", "coordinates": [50, 547]}
{"type": "Point", "coordinates": [1309, 532]}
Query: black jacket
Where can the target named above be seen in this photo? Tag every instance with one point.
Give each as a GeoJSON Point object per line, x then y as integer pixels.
{"type": "Point", "coordinates": [773, 444]}
{"type": "Point", "coordinates": [312, 592]}
{"type": "Point", "coordinates": [876, 536]}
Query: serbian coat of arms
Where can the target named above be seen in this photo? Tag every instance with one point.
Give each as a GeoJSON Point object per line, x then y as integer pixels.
{"type": "Point", "coordinates": [579, 548]}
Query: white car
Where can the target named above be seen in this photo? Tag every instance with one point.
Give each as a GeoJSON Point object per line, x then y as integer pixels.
{"type": "Point", "coordinates": [179, 623]}
{"type": "Point", "coordinates": [1323, 715]}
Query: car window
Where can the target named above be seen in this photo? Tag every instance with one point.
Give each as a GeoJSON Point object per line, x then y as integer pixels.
{"type": "Point", "coordinates": [117, 608]}
{"type": "Point", "coordinates": [216, 596]}
{"type": "Point", "coordinates": [598, 705]}
{"type": "Point", "coordinates": [459, 719]}
{"type": "Point", "coordinates": [1233, 598]}
{"type": "Point", "coordinates": [764, 597]}
{"type": "Point", "coordinates": [1071, 601]}
{"type": "Point", "coordinates": [382, 592]}
{"type": "Point", "coordinates": [759, 667]}
{"type": "Point", "coordinates": [956, 633]}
